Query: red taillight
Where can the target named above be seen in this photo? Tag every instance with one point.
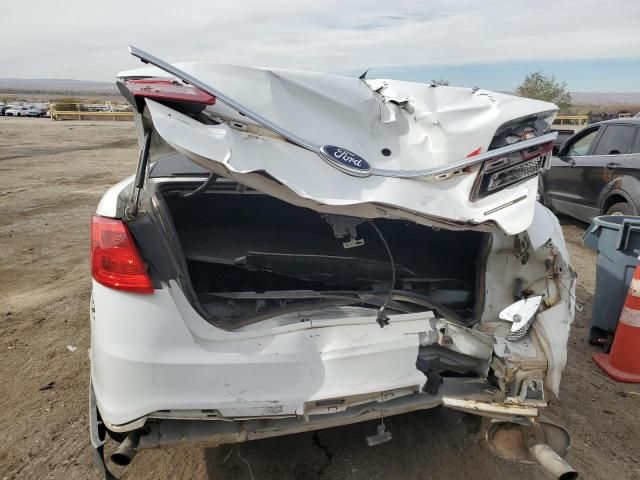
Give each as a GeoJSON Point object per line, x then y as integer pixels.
{"type": "Point", "coordinates": [115, 261]}
{"type": "Point", "coordinates": [509, 169]}
{"type": "Point", "coordinates": [166, 89]}
{"type": "Point", "coordinates": [477, 151]}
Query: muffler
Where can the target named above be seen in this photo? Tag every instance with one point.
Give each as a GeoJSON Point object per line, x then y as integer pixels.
{"type": "Point", "coordinates": [127, 450]}
{"type": "Point", "coordinates": [544, 443]}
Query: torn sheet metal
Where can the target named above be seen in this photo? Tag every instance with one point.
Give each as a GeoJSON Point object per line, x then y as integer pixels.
{"type": "Point", "coordinates": [493, 410]}
{"type": "Point", "coordinates": [553, 327]}
{"type": "Point", "coordinates": [521, 314]}
{"type": "Point", "coordinates": [464, 340]}
{"type": "Point", "coordinates": [543, 268]}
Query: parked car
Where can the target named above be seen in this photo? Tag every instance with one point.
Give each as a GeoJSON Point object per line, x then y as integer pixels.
{"type": "Point", "coordinates": [257, 277]}
{"type": "Point", "coordinates": [596, 172]}
{"type": "Point", "coordinates": [4, 108]}
{"type": "Point", "coordinates": [35, 112]}
{"type": "Point", "coordinates": [16, 111]}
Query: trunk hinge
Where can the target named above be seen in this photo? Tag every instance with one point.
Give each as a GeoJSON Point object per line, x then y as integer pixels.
{"type": "Point", "coordinates": [131, 210]}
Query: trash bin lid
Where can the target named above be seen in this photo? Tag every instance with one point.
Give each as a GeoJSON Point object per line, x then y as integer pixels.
{"type": "Point", "coordinates": [625, 225]}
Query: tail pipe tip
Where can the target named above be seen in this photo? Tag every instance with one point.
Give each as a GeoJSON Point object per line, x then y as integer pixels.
{"type": "Point", "coordinates": [127, 450]}
{"type": "Point", "coordinates": [552, 462]}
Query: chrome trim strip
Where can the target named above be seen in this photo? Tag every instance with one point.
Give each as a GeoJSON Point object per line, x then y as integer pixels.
{"type": "Point", "coordinates": [466, 162]}
{"type": "Point", "coordinates": [508, 204]}
{"type": "Point", "coordinates": [317, 149]}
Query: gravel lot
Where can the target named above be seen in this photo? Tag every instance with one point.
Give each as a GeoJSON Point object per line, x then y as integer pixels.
{"type": "Point", "coordinates": [51, 178]}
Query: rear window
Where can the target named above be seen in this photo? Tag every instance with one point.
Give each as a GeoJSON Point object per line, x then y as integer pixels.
{"type": "Point", "coordinates": [175, 165]}
{"type": "Point", "coordinates": [616, 140]}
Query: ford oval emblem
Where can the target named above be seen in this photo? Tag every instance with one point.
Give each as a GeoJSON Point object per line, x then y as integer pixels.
{"type": "Point", "coordinates": [346, 161]}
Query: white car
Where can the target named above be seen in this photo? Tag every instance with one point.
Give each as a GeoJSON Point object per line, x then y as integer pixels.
{"type": "Point", "coordinates": [301, 250]}
{"type": "Point", "coordinates": [35, 112]}
{"type": "Point", "coordinates": [17, 111]}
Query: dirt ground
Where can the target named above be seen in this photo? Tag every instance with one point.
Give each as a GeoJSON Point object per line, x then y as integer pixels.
{"type": "Point", "coordinates": [51, 178]}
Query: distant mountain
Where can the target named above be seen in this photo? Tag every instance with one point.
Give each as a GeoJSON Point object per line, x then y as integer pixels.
{"type": "Point", "coordinates": [56, 85]}
{"type": "Point", "coordinates": [604, 98]}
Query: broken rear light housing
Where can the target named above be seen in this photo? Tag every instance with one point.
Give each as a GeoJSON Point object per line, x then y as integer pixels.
{"type": "Point", "coordinates": [513, 168]}
{"type": "Point", "coordinates": [115, 261]}
{"type": "Point", "coordinates": [168, 90]}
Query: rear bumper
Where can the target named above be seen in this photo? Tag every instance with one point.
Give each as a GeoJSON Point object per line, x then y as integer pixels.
{"type": "Point", "coordinates": [475, 394]}
{"type": "Point", "coordinates": [469, 395]}
{"type": "Point", "coordinates": [155, 360]}
{"type": "Point", "coordinates": [152, 353]}
{"type": "Point", "coordinates": [464, 394]}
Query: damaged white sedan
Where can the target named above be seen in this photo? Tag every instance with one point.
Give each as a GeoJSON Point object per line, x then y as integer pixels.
{"type": "Point", "coordinates": [300, 250]}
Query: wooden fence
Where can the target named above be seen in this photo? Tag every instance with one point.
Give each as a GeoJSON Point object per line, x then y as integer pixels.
{"type": "Point", "coordinates": [80, 114]}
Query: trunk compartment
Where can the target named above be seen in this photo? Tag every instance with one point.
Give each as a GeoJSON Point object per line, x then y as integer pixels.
{"type": "Point", "coordinates": [251, 257]}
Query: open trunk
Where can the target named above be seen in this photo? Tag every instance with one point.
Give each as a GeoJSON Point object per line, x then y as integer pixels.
{"type": "Point", "coordinates": [252, 258]}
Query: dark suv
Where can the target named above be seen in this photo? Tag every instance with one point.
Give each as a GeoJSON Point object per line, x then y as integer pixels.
{"type": "Point", "coordinates": [596, 171]}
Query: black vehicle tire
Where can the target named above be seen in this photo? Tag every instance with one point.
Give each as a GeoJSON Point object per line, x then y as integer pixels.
{"type": "Point", "coordinates": [621, 208]}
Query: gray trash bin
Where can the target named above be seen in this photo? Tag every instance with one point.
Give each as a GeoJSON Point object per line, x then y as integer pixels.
{"type": "Point", "coordinates": [616, 238]}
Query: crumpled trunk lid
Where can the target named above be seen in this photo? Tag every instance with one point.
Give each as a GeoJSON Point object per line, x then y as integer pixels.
{"type": "Point", "coordinates": [364, 148]}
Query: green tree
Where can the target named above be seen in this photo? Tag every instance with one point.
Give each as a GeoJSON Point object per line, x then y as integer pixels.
{"type": "Point", "coordinates": [549, 89]}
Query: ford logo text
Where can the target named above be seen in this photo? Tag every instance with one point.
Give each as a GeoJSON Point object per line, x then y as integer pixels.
{"type": "Point", "coordinates": [346, 160]}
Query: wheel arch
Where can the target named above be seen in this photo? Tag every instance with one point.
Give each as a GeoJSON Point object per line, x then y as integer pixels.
{"type": "Point", "coordinates": [616, 196]}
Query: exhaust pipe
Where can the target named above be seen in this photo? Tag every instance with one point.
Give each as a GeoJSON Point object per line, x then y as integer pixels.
{"type": "Point", "coordinates": [552, 462]}
{"type": "Point", "coordinates": [544, 443]}
{"type": "Point", "coordinates": [127, 450]}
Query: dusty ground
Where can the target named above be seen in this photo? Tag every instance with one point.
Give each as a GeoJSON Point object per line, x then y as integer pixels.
{"type": "Point", "coordinates": [51, 177]}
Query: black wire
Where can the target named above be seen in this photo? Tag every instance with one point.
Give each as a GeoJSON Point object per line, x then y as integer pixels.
{"type": "Point", "coordinates": [202, 188]}
{"type": "Point", "coordinates": [382, 318]}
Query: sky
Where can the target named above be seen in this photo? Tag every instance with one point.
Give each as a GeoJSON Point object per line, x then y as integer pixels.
{"type": "Point", "coordinates": [593, 45]}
